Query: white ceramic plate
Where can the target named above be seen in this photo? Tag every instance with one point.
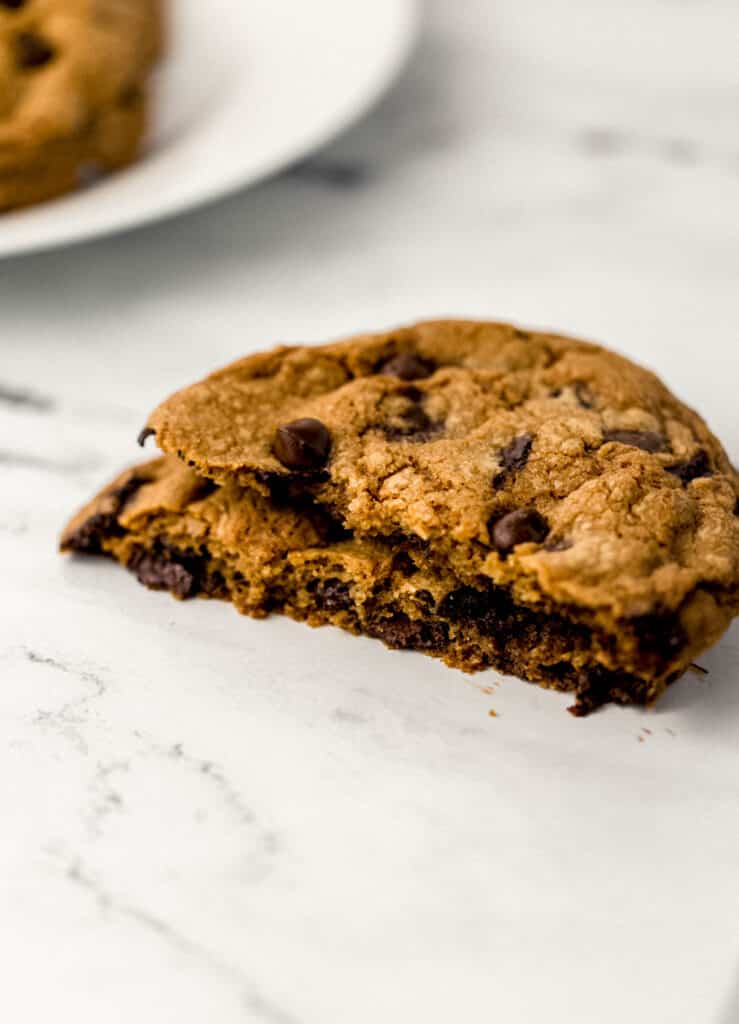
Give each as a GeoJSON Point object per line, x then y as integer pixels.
{"type": "Point", "coordinates": [248, 87]}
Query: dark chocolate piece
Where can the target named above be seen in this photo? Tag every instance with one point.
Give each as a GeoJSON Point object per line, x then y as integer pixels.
{"type": "Point", "coordinates": [302, 444]}
{"type": "Point", "coordinates": [406, 366]}
{"type": "Point", "coordinates": [89, 536]}
{"type": "Point", "coordinates": [403, 633]}
{"type": "Point", "coordinates": [518, 527]}
{"type": "Point", "coordinates": [513, 457]}
{"type": "Point", "coordinates": [164, 572]}
{"type": "Point", "coordinates": [698, 465]}
{"type": "Point", "coordinates": [647, 440]}
{"type": "Point", "coordinates": [516, 454]}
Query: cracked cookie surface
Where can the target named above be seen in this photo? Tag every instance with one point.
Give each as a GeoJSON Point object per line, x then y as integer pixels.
{"type": "Point", "coordinates": [637, 495]}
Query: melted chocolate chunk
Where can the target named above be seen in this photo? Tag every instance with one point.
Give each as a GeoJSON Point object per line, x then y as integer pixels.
{"type": "Point", "coordinates": [407, 366]}
{"type": "Point", "coordinates": [332, 595]}
{"type": "Point", "coordinates": [162, 571]}
{"type": "Point", "coordinates": [647, 440]}
{"type": "Point", "coordinates": [516, 454]}
{"type": "Point", "coordinates": [518, 527]}
{"type": "Point", "coordinates": [660, 633]}
{"type": "Point", "coordinates": [697, 466]}
{"type": "Point", "coordinates": [409, 634]}
{"type": "Point", "coordinates": [144, 434]}
{"type": "Point", "coordinates": [493, 612]}
{"type": "Point", "coordinates": [467, 604]}
{"type": "Point", "coordinates": [89, 536]}
{"type": "Point", "coordinates": [32, 50]}
{"type": "Point", "coordinates": [513, 457]}
{"type": "Point", "coordinates": [12, 5]}
{"type": "Point", "coordinates": [302, 444]}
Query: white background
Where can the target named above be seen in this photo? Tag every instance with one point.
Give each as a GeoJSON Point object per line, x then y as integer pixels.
{"type": "Point", "coordinates": [210, 818]}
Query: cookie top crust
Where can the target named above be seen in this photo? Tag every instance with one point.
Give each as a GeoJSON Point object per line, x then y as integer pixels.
{"type": "Point", "coordinates": [61, 61]}
{"type": "Point", "coordinates": [514, 455]}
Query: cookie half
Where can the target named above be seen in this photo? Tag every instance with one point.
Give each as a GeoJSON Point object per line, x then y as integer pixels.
{"type": "Point", "coordinates": [492, 496]}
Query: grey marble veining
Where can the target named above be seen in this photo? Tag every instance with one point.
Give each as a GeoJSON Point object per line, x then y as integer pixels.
{"type": "Point", "coordinates": [210, 818]}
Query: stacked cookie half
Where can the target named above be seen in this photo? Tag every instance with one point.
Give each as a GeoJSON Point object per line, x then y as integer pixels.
{"type": "Point", "coordinates": [491, 496]}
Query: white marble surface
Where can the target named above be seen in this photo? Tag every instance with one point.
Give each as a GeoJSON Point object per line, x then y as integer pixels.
{"type": "Point", "coordinates": [206, 818]}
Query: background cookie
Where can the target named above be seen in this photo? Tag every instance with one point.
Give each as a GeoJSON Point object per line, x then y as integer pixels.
{"type": "Point", "coordinates": [73, 90]}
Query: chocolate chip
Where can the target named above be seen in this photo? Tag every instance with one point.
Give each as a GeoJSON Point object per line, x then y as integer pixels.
{"type": "Point", "coordinates": [302, 444]}
{"type": "Point", "coordinates": [647, 440]}
{"type": "Point", "coordinates": [411, 634]}
{"type": "Point", "coordinates": [32, 50]}
{"type": "Point", "coordinates": [145, 433]}
{"type": "Point", "coordinates": [406, 366]}
{"type": "Point", "coordinates": [513, 457]}
{"type": "Point", "coordinates": [411, 393]}
{"type": "Point", "coordinates": [518, 527]}
{"type": "Point", "coordinates": [695, 467]}
{"type": "Point", "coordinates": [465, 604]}
{"type": "Point", "coordinates": [162, 572]}
{"type": "Point", "coordinates": [516, 454]}
{"type": "Point", "coordinates": [88, 538]}
{"type": "Point", "coordinates": [12, 5]}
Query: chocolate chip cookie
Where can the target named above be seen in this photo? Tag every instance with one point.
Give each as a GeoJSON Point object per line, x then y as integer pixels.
{"type": "Point", "coordinates": [492, 496]}
{"type": "Point", "coordinates": [73, 91]}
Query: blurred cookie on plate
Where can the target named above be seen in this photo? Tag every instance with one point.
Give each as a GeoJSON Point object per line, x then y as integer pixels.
{"type": "Point", "coordinates": [74, 85]}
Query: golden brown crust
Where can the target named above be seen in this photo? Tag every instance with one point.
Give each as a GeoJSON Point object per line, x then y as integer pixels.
{"type": "Point", "coordinates": [73, 91]}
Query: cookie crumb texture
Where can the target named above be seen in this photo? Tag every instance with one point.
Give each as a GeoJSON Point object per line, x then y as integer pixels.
{"type": "Point", "coordinates": [73, 91]}
{"type": "Point", "coordinates": [487, 495]}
